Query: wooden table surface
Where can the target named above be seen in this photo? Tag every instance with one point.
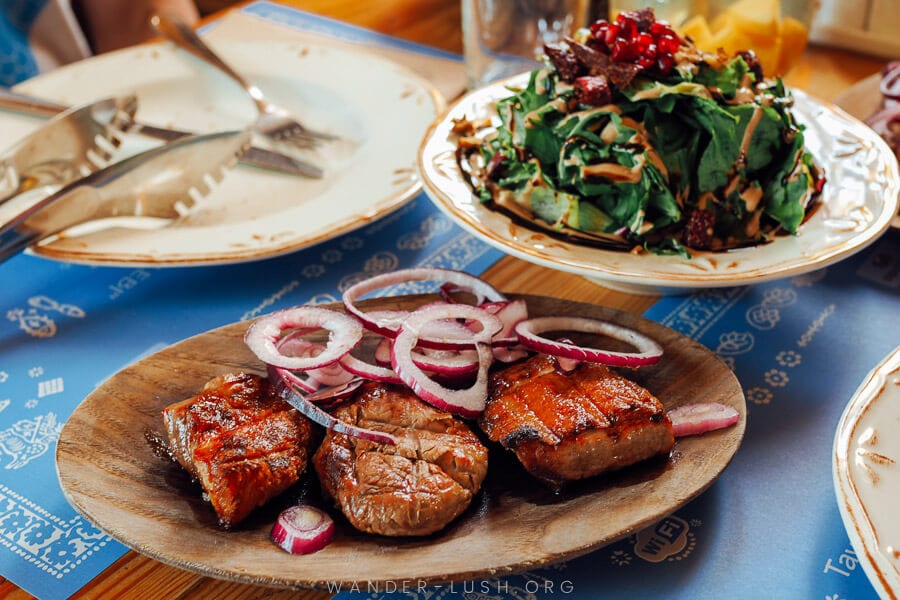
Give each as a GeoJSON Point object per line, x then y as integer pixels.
{"type": "Point", "coordinates": [822, 72]}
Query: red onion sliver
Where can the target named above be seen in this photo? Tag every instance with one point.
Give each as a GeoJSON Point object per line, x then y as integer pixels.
{"type": "Point", "coordinates": [331, 375]}
{"type": "Point", "coordinates": [455, 363]}
{"type": "Point", "coordinates": [361, 368]}
{"type": "Point", "coordinates": [467, 402]}
{"type": "Point", "coordinates": [529, 332]}
{"type": "Point", "coordinates": [306, 386]}
{"type": "Point", "coordinates": [317, 415]}
{"type": "Point", "coordinates": [302, 530]}
{"type": "Point", "coordinates": [889, 86]}
{"type": "Point", "coordinates": [692, 419]}
{"type": "Point", "coordinates": [262, 336]}
{"type": "Point", "coordinates": [566, 365]}
{"type": "Point", "coordinates": [389, 327]}
{"type": "Point", "coordinates": [510, 313]}
{"type": "Point", "coordinates": [332, 395]}
{"type": "Point", "coordinates": [509, 354]}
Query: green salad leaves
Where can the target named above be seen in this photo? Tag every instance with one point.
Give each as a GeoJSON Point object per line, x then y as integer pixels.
{"type": "Point", "coordinates": [706, 157]}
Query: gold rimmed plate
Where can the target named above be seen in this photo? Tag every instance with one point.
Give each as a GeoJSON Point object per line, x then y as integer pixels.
{"type": "Point", "coordinates": [110, 474]}
{"type": "Point", "coordinates": [378, 108]}
{"type": "Point", "coordinates": [859, 201]}
{"type": "Point", "coordinates": [866, 470]}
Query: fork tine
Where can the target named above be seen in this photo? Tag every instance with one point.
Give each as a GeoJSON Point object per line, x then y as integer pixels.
{"type": "Point", "coordinates": [163, 182]}
{"type": "Point", "coordinates": [284, 127]}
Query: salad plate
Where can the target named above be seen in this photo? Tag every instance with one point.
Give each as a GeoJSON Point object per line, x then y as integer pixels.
{"type": "Point", "coordinates": [378, 108]}
{"type": "Point", "coordinates": [862, 100]}
{"type": "Point", "coordinates": [866, 469]}
{"type": "Point", "coordinates": [111, 474]}
{"type": "Point", "coordinates": [858, 203]}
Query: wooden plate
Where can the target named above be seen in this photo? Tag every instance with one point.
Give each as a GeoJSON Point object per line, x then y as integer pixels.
{"type": "Point", "coordinates": [110, 473]}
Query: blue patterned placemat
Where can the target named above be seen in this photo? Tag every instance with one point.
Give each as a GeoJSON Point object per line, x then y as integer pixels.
{"type": "Point", "coordinates": [769, 527]}
{"type": "Point", "coordinates": [66, 328]}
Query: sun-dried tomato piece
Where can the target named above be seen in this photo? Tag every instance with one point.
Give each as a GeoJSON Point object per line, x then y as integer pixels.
{"type": "Point", "coordinates": [698, 233]}
{"type": "Point", "coordinates": [495, 168]}
{"type": "Point", "coordinates": [593, 90]}
{"type": "Point", "coordinates": [564, 61]}
{"type": "Point", "coordinates": [598, 63]}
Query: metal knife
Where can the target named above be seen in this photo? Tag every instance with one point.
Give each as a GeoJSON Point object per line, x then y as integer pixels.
{"type": "Point", "coordinates": [254, 156]}
{"type": "Point", "coordinates": [161, 183]}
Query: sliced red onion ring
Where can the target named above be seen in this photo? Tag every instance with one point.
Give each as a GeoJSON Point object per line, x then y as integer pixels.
{"type": "Point", "coordinates": [389, 327]}
{"type": "Point", "coordinates": [302, 530]}
{"type": "Point", "coordinates": [451, 363]}
{"type": "Point", "coordinates": [510, 313]}
{"type": "Point", "coordinates": [890, 81]}
{"type": "Point", "coordinates": [334, 395]}
{"type": "Point", "coordinates": [331, 375]}
{"type": "Point", "coordinates": [567, 365]}
{"type": "Point", "coordinates": [383, 352]}
{"type": "Point", "coordinates": [693, 419]}
{"type": "Point", "coordinates": [262, 337]}
{"type": "Point", "coordinates": [306, 386]}
{"type": "Point", "coordinates": [361, 368]}
{"type": "Point", "coordinates": [298, 400]}
{"type": "Point", "coordinates": [467, 402]}
{"type": "Point", "coordinates": [448, 289]}
{"type": "Point", "coordinates": [509, 354]}
{"type": "Point", "coordinates": [529, 332]}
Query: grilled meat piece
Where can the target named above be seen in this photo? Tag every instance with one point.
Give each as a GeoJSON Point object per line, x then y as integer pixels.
{"type": "Point", "coordinates": [241, 441]}
{"type": "Point", "coordinates": [414, 488]}
{"type": "Point", "coordinates": [568, 426]}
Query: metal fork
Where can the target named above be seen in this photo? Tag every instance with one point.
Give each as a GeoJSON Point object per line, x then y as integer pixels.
{"type": "Point", "coordinates": [162, 183]}
{"type": "Point", "coordinates": [274, 122]}
{"type": "Point", "coordinates": [254, 156]}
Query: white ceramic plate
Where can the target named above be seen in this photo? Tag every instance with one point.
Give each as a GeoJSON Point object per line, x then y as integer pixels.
{"type": "Point", "coordinates": [859, 201]}
{"type": "Point", "coordinates": [867, 474]}
{"type": "Point", "coordinates": [862, 100]}
{"type": "Point", "coordinates": [382, 107]}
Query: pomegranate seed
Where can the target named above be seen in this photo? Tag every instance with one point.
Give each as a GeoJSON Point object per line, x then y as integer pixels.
{"type": "Point", "coordinates": [660, 28]}
{"type": "Point", "coordinates": [612, 32]}
{"type": "Point", "coordinates": [637, 38]}
{"type": "Point", "coordinates": [645, 62]}
{"type": "Point", "coordinates": [628, 26]}
{"type": "Point", "coordinates": [820, 183]}
{"type": "Point", "coordinates": [642, 42]}
{"type": "Point", "coordinates": [668, 44]}
{"type": "Point", "coordinates": [665, 63]}
{"type": "Point", "coordinates": [622, 51]}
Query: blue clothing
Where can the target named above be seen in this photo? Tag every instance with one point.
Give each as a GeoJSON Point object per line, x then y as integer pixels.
{"type": "Point", "coordinates": [17, 17]}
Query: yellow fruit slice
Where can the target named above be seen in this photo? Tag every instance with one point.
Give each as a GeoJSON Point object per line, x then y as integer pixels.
{"type": "Point", "coordinates": [794, 36]}
{"type": "Point", "coordinates": [756, 18]}
{"type": "Point", "coordinates": [732, 39]}
{"type": "Point", "coordinates": [698, 30]}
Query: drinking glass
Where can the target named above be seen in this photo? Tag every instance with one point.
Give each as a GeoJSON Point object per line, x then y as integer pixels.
{"type": "Point", "coordinates": [504, 37]}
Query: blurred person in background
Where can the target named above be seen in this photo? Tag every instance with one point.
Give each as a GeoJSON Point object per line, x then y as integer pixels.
{"type": "Point", "coordinates": [39, 35]}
